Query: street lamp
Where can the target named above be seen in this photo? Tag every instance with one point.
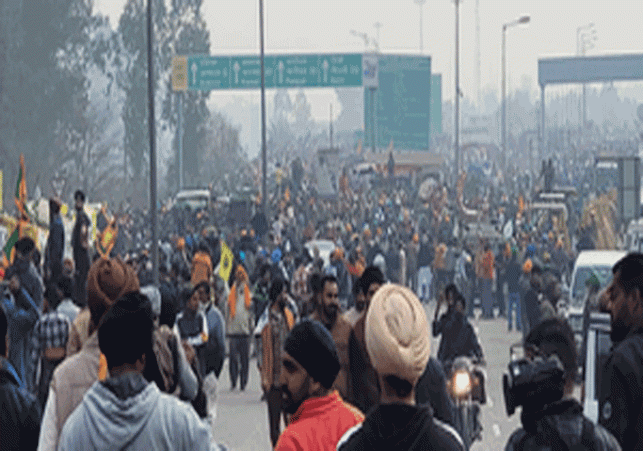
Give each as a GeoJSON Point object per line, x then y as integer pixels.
{"type": "Point", "coordinates": [377, 26]}
{"type": "Point", "coordinates": [587, 28]}
{"type": "Point", "coordinates": [503, 129]}
{"type": "Point", "coordinates": [362, 35]}
{"type": "Point", "coordinates": [421, 4]}
{"type": "Point", "coordinates": [366, 39]}
{"type": "Point", "coordinates": [585, 37]}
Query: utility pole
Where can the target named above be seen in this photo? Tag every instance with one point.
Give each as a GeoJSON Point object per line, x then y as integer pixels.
{"type": "Point", "coordinates": [152, 136]}
{"type": "Point", "coordinates": [421, 4]}
{"type": "Point", "coordinates": [377, 26]}
{"type": "Point", "coordinates": [264, 162]}
{"type": "Point", "coordinates": [180, 138]}
{"type": "Point", "coordinates": [331, 125]}
{"type": "Point", "coordinates": [457, 88]}
{"type": "Point", "coordinates": [503, 119]}
{"type": "Point", "coordinates": [478, 80]}
{"type": "Point", "coordinates": [585, 38]}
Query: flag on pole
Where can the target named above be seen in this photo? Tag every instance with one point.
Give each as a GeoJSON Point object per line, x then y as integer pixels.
{"type": "Point", "coordinates": [8, 247]}
{"type": "Point", "coordinates": [225, 265]}
{"type": "Point", "coordinates": [107, 239]}
{"type": "Point", "coordinates": [21, 189]}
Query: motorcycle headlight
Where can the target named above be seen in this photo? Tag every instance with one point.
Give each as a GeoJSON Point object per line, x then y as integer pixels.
{"type": "Point", "coordinates": [461, 384]}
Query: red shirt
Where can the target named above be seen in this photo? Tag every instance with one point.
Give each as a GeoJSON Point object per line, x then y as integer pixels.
{"type": "Point", "coordinates": [319, 424]}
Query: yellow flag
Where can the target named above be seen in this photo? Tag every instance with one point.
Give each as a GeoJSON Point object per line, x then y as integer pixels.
{"type": "Point", "coordinates": [225, 265]}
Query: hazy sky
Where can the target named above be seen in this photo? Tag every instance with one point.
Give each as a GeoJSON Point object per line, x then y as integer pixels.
{"type": "Point", "coordinates": [312, 26]}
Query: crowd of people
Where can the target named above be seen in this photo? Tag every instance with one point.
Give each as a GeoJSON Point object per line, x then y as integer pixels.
{"type": "Point", "coordinates": [98, 355]}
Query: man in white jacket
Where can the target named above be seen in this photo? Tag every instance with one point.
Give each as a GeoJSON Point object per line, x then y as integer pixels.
{"type": "Point", "coordinates": [125, 411]}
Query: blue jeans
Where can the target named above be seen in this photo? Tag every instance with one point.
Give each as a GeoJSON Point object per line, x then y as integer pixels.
{"type": "Point", "coordinates": [514, 301]}
{"type": "Point", "coordinates": [487, 301]}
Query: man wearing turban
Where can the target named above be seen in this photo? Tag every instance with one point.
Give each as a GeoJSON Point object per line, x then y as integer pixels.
{"type": "Point", "coordinates": [107, 281]}
{"type": "Point", "coordinates": [239, 326]}
{"type": "Point", "coordinates": [398, 344]}
{"type": "Point", "coordinates": [309, 367]}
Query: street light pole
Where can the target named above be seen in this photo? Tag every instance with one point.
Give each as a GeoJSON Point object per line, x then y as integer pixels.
{"type": "Point", "coordinates": [503, 118]}
{"type": "Point", "coordinates": [264, 158]}
{"type": "Point", "coordinates": [421, 4]}
{"type": "Point", "coordinates": [364, 36]}
{"type": "Point", "coordinates": [377, 26]}
{"type": "Point", "coordinates": [457, 88]}
{"type": "Point", "coordinates": [152, 136]}
{"type": "Point", "coordinates": [585, 38]}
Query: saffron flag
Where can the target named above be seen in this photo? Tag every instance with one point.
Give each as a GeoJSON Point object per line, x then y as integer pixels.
{"type": "Point", "coordinates": [21, 189]}
{"type": "Point", "coordinates": [225, 265]}
{"type": "Point", "coordinates": [8, 247]}
{"type": "Point", "coordinates": [107, 239]}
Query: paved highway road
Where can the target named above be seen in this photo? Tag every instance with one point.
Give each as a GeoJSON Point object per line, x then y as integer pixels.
{"type": "Point", "coordinates": [242, 419]}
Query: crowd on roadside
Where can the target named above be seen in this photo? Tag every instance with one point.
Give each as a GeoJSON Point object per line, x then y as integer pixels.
{"type": "Point", "coordinates": [96, 349]}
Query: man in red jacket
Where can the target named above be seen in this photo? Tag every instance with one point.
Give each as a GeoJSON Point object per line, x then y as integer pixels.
{"type": "Point", "coordinates": [320, 417]}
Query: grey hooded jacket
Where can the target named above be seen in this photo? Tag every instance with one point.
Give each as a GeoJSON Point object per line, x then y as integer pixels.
{"type": "Point", "coordinates": [147, 420]}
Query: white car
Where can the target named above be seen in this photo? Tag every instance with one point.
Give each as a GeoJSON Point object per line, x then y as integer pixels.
{"type": "Point", "coordinates": [326, 248]}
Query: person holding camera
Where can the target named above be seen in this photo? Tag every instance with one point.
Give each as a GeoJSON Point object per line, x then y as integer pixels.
{"type": "Point", "coordinates": [543, 384]}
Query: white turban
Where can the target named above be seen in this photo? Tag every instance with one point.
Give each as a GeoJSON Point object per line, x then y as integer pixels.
{"type": "Point", "coordinates": [154, 295]}
{"type": "Point", "coordinates": [397, 333]}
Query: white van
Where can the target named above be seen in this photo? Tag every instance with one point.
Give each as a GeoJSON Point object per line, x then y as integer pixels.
{"type": "Point", "coordinates": [634, 236]}
{"type": "Point", "coordinates": [194, 198]}
{"type": "Point", "coordinates": [588, 263]}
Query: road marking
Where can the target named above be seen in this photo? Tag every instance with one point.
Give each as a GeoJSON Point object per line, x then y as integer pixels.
{"type": "Point", "coordinates": [489, 401]}
{"type": "Point", "coordinates": [496, 430]}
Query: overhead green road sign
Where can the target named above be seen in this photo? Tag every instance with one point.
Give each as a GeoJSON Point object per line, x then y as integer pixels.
{"type": "Point", "coordinates": [341, 70]}
{"type": "Point", "coordinates": [402, 103]}
{"type": "Point", "coordinates": [207, 73]}
{"type": "Point", "coordinates": [245, 72]}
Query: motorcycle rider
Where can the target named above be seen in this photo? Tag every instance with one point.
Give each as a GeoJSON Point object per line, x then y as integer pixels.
{"type": "Point", "coordinates": [458, 336]}
{"type": "Point", "coordinates": [458, 339]}
{"type": "Point", "coordinates": [559, 424]}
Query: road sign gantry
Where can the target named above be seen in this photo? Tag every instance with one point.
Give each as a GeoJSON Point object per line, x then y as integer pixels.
{"type": "Point", "coordinates": [207, 73]}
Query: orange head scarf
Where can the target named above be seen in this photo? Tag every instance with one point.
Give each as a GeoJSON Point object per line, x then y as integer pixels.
{"type": "Point", "coordinates": [232, 298]}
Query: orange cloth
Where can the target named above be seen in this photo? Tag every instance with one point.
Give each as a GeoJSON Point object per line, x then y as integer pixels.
{"type": "Point", "coordinates": [304, 431]}
{"type": "Point", "coordinates": [102, 368]}
{"type": "Point", "coordinates": [439, 262]}
{"type": "Point", "coordinates": [201, 268]}
{"type": "Point", "coordinates": [232, 297]}
{"type": "Point", "coordinates": [487, 265]}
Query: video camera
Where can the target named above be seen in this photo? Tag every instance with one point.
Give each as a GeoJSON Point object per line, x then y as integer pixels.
{"type": "Point", "coordinates": [533, 383]}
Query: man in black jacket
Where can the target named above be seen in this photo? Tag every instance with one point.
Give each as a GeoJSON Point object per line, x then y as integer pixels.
{"type": "Point", "coordinates": [458, 336]}
{"type": "Point", "coordinates": [20, 415]}
{"type": "Point", "coordinates": [398, 344]}
{"type": "Point", "coordinates": [560, 424]}
{"type": "Point", "coordinates": [512, 277]}
{"type": "Point", "coordinates": [620, 396]}
{"type": "Point", "coordinates": [431, 389]}
{"type": "Point", "coordinates": [55, 243]}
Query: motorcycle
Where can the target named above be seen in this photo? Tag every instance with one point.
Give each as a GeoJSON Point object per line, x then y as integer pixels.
{"type": "Point", "coordinates": [466, 387]}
